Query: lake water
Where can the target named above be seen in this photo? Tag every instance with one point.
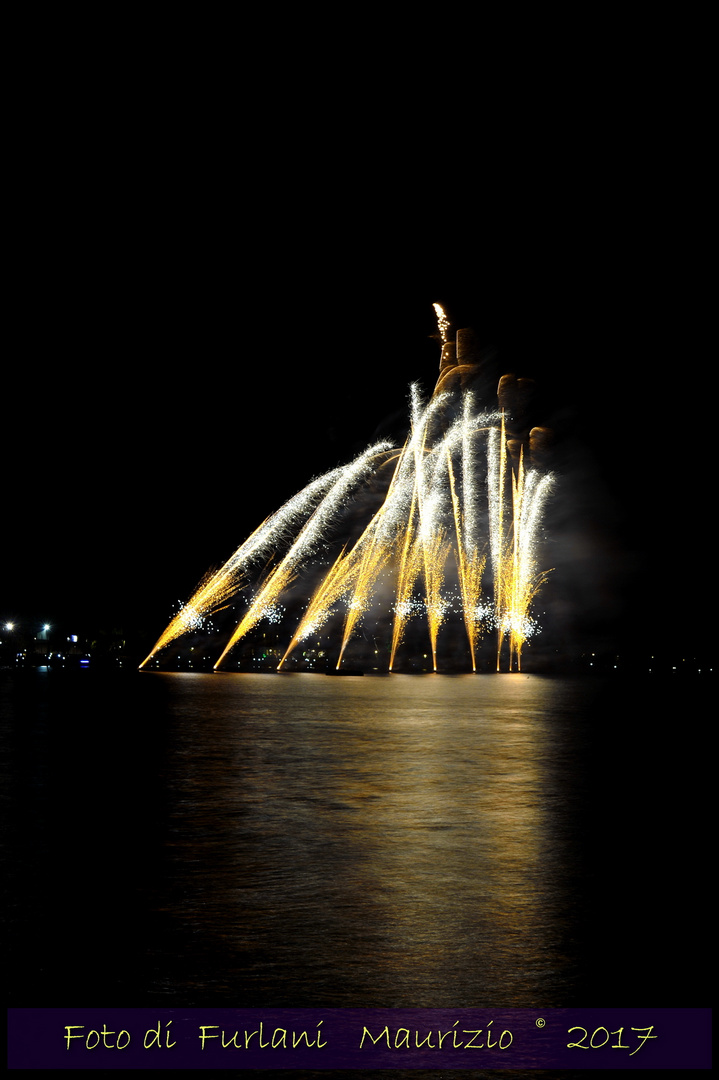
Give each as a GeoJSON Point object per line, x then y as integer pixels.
{"type": "Point", "coordinates": [301, 840]}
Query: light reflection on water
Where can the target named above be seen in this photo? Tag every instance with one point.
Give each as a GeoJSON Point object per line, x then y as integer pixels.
{"type": "Point", "coordinates": [367, 841]}
{"type": "Point", "coordinates": [440, 841]}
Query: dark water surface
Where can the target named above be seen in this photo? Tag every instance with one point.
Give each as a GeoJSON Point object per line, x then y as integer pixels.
{"type": "Point", "coordinates": [300, 840]}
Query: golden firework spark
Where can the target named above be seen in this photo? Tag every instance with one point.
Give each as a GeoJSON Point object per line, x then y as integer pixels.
{"type": "Point", "coordinates": [442, 322]}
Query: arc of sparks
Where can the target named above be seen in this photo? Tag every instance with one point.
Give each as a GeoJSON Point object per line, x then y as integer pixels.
{"type": "Point", "coordinates": [217, 589]}
{"type": "Point", "coordinates": [354, 575]}
{"type": "Point", "coordinates": [304, 545]}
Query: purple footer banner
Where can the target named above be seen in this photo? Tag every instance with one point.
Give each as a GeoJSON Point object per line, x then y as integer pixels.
{"type": "Point", "coordinates": [218, 1038]}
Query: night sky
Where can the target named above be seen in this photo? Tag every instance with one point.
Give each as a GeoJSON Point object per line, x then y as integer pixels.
{"type": "Point", "coordinates": [177, 376]}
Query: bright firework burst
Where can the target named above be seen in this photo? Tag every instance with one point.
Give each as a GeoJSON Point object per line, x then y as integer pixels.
{"type": "Point", "coordinates": [454, 504]}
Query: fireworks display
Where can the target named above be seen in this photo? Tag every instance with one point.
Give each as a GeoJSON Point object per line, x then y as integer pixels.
{"type": "Point", "coordinates": [452, 530]}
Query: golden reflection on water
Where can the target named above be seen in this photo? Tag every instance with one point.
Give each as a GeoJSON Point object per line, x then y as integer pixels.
{"type": "Point", "coordinates": [380, 841]}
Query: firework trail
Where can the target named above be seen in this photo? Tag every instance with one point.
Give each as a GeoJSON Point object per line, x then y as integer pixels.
{"type": "Point", "coordinates": [514, 545]}
{"type": "Point", "coordinates": [216, 589]}
{"type": "Point", "coordinates": [305, 544]}
{"type": "Point", "coordinates": [409, 570]}
{"type": "Point", "coordinates": [359, 571]}
{"type": "Point", "coordinates": [529, 496]}
{"type": "Point", "coordinates": [470, 566]}
{"type": "Point", "coordinates": [442, 322]}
